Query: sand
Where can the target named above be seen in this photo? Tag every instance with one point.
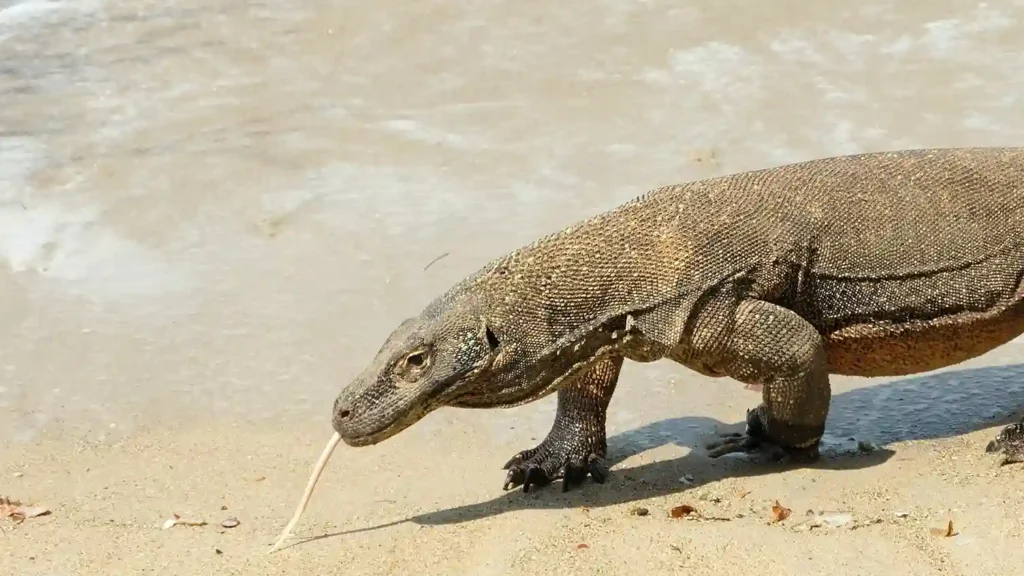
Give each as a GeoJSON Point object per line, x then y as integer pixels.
{"type": "Point", "coordinates": [213, 213]}
{"type": "Point", "coordinates": [429, 501]}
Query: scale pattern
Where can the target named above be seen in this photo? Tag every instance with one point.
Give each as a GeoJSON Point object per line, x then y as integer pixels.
{"type": "Point", "coordinates": [872, 264]}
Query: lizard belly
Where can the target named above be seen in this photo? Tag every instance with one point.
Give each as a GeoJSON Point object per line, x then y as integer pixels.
{"type": "Point", "coordinates": [922, 346]}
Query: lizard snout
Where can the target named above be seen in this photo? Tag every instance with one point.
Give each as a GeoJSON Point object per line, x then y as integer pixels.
{"type": "Point", "coordinates": [342, 415]}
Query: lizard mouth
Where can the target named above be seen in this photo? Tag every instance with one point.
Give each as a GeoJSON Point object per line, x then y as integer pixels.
{"type": "Point", "coordinates": [362, 422]}
{"type": "Point", "coordinates": [508, 398]}
{"type": "Point", "coordinates": [378, 435]}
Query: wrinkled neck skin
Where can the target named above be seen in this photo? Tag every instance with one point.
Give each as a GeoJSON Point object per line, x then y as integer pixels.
{"type": "Point", "coordinates": [517, 376]}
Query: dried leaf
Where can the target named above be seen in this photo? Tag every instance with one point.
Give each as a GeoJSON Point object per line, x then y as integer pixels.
{"type": "Point", "coordinates": [171, 522]}
{"type": "Point", "coordinates": [18, 512]}
{"type": "Point", "coordinates": [7, 506]}
{"type": "Point", "coordinates": [944, 532]}
{"type": "Point", "coordinates": [681, 511]}
{"type": "Point", "coordinates": [780, 512]}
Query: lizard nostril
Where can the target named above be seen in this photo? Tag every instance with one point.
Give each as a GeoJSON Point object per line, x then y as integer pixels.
{"type": "Point", "coordinates": [344, 414]}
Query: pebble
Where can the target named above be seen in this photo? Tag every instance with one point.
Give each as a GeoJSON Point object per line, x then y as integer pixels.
{"type": "Point", "coordinates": [19, 474]}
{"type": "Point", "coordinates": [641, 511]}
{"type": "Point", "coordinates": [687, 479]}
{"type": "Point", "coordinates": [229, 523]}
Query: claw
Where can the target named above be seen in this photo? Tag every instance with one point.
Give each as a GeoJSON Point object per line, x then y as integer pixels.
{"type": "Point", "coordinates": [577, 473]}
{"type": "Point", "coordinates": [535, 477]}
{"type": "Point", "coordinates": [598, 471]}
{"type": "Point", "coordinates": [514, 478]}
{"type": "Point", "coordinates": [525, 471]}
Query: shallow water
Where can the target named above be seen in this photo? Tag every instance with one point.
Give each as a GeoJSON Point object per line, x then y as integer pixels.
{"type": "Point", "coordinates": [220, 209]}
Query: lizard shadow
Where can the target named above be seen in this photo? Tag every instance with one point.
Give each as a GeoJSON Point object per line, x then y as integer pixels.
{"type": "Point", "coordinates": [930, 406]}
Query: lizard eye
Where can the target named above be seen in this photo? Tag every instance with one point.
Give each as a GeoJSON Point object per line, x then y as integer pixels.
{"type": "Point", "coordinates": [414, 366]}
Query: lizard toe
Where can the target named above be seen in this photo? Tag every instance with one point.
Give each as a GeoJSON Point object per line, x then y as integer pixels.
{"type": "Point", "coordinates": [536, 476]}
{"type": "Point", "coordinates": [756, 439]}
{"type": "Point", "coordinates": [574, 473]}
{"type": "Point", "coordinates": [732, 443]}
{"type": "Point", "coordinates": [520, 458]}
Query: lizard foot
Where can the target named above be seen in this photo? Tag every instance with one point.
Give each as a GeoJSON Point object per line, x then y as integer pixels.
{"type": "Point", "coordinates": [1010, 441]}
{"type": "Point", "coordinates": [756, 440]}
{"type": "Point", "coordinates": [570, 458]}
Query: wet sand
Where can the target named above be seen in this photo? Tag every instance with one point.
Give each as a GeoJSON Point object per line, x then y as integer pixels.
{"type": "Point", "coordinates": [212, 214]}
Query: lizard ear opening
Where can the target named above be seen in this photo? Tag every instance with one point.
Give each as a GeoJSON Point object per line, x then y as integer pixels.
{"type": "Point", "coordinates": [492, 340]}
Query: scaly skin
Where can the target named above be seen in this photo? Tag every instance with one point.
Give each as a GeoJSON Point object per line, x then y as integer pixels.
{"type": "Point", "coordinates": [880, 264]}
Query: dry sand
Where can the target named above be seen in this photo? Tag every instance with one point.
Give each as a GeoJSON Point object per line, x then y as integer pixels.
{"type": "Point", "coordinates": [429, 502]}
{"type": "Point", "coordinates": [212, 214]}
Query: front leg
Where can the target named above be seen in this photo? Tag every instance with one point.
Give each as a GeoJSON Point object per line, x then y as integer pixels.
{"type": "Point", "coordinates": [776, 348]}
{"type": "Point", "coordinates": [577, 444]}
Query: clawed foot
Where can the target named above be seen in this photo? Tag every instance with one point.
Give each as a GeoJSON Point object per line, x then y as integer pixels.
{"type": "Point", "coordinates": [735, 442]}
{"type": "Point", "coordinates": [756, 440]}
{"type": "Point", "coordinates": [558, 456]}
{"type": "Point", "coordinates": [1010, 442]}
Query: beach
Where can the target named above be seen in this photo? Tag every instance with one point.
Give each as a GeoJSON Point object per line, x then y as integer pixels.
{"type": "Point", "coordinates": [213, 214]}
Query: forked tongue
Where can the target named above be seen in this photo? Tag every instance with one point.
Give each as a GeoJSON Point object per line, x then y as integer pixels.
{"type": "Point", "coordinates": [317, 470]}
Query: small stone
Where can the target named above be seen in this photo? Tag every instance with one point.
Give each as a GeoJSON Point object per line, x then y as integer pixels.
{"type": "Point", "coordinates": [902, 514]}
{"type": "Point", "coordinates": [640, 511]}
{"type": "Point", "coordinates": [19, 474]}
{"type": "Point", "coordinates": [218, 551]}
{"type": "Point", "coordinates": [223, 508]}
{"type": "Point", "coordinates": [229, 522]}
{"type": "Point", "coordinates": [865, 446]}
{"type": "Point", "coordinates": [687, 479]}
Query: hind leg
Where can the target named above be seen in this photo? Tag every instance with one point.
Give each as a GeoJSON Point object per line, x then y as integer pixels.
{"type": "Point", "coordinates": [1009, 442]}
{"type": "Point", "coordinates": [774, 347]}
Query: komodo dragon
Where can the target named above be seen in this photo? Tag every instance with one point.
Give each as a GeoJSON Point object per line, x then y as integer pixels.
{"type": "Point", "coordinates": [876, 264]}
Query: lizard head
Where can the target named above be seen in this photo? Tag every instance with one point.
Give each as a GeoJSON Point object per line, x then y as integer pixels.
{"type": "Point", "coordinates": [427, 362]}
